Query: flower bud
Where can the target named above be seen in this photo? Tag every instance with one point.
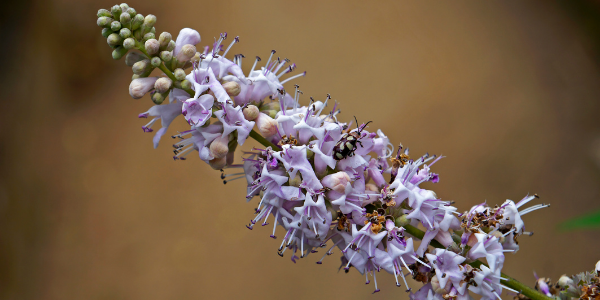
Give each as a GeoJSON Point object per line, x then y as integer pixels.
{"type": "Point", "coordinates": [106, 32]}
{"type": "Point", "coordinates": [125, 19]}
{"type": "Point", "coordinates": [269, 106]}
{"type": "Point", "coordinates": [148, 36]}
{"type": "Point", "coordinates": [179, 73]}
{"type": "Point", "coordinates": [565, 281]}
{"type": "Point", "coordinates": [119, 52]}
{"type": "Point", "coordinates": [152, 46]}
{"type": "Point", "coordinates": [104, 13]}
{"type": "Point", "coordinates": [267, 126]}
{"type": "Point", "coordinates": [186, 85]}
{"type": "Point", "coordinates": [196, 57]}
{"type": "Point", "coordinates": [132, 58]}
{"type": "Point", "coordinates": [220, 147]}
{"type": "Point", "coordinates": [137, 21]}
{"type": "Point", "coordinates": [149, 21]}
{"type": "Point", "coordinates": [163, 84]}
{"type": "Point", "coordinates": [104, 21]}
{"type": "Point", "coordinates": [218, 163]}
{"type": "Point", "coordinates": [598, 268]}
{"type": "Point", "coordinates": [141, 67]}
{"type": "Point", "coordinates": [435, 286]}
{"type": "Point", "coordinates": [171, 46]}
{"type": "Point", "coordinates": [153, 30]}
{"type": "Point", "coordinates": [135, 76]}
{"type": "Point", "coordinates": [125, 33]}
{"type": "Point", "coordinates": [251, 112]}
{"type": "Point", "coordinates": [116, 11]}
{"type": "Point", "coordinates": [124, 6]}
{"type": "Point", "coordinates": [336, 181]}
{"type": "Point", "coordinates": [187, 52]}
{"type": "Point", "coordinates": [155, 62]}
{"type": "Point", "coordinates": [296, 181]}
{"type": "Point", "coordinates": [158, 98]}
{"type": "Point", "coordinates": [401, 221]}
{"type": "Point", "coordinates": [164, 40]}
{"type": "Point", "coordinates": [131, 11]}
{"type": "Point", "coordinates": [232, 88]}
{"type": "Point", "coordinates": [166, 56]}
{"type": "Point", "coordinates": [114, 40]}
{"type": "Point", "coordinates": [139, 87]}
{"type": "Point", "coordinates": [115, 26]}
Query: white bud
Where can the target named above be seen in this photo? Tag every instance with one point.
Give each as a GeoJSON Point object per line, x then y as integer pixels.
{"type": "Point", "coordinates": [251, 112]}
{"type": "Point", "coordinates": [164, 39]}
{"type": "Point", "coordinates": [152, 46]}
{"type": "Point", "coordinates": [155, 62]}
{"type": "Point", "coordinates": [337, 181]}
{"type": "Point", "coordinates": [219, 147]}
{"type": "Point", "coordinates": [232, 88]}
{"type": "Point", "coordinates": [163, 84]}
{"type": "Point", "coordinates": [267, 126]}
{"type": "Point", "coordinates": [598, 268]}
{"type": "Point", "coordinates": [166, 56]}
{"type": "Point", "coordinates": [186, 52]}
{"type": "Point", "coordinates": [139, 87]}
{"type": "Point", "coordinates": [179, 74]}
{"type": "Point", "coordinates": [565, 281]}
{"type": "Point", "coordinates": [218, 163]}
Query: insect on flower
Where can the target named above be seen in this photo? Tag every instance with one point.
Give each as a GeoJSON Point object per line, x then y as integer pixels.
{"type": "Point", "coordinates": [346, 146]}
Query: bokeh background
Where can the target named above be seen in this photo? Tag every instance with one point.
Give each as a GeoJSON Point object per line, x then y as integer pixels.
{"type": "Point", "coordinates": [507, 90]}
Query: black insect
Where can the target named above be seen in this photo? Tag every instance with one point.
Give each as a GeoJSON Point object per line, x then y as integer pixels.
{"type": "Point", "coordinates": [346, 146]}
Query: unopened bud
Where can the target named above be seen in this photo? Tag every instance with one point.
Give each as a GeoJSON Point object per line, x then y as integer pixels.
{"type": "Point", "coordinates": [132, 58]}
{"type": "Point", "coordinates": [271, 113]}
{"type": "Point", "coordinates": [435, 286]}
{"type": "Point", "coordinates": [269, 106]}
{"type": "Point", "coordinates": [125, 19]}
{"type": "Point", "coordinates": [158, 98]}
{"type": "Point", "coordinates": [115, 26]}
{"type": "Point", "coordinates": [337, 181]}
{"type": "Point", "coordinates": [152, 46]}
{"type": "Point", "coordinates": [565, 281]}
{"type": "Point", "coordinates": [116, 11]}
{"type": "Point", "coordinates": [402, 220]}
{"type": "Point", "coordinates": [137, 21]}
{"type": "Point", "coordinates": [131, 11]}
{"type": "Point", "coordinates": [218, 163]}
{"type": "Point", "coordinates": [186, 52]}
{"type": "Point", "coordinates": [125, 33]}
{"type": "Point", "coordinates": [166, 56]}
{"type": "Point", "coordinates": [179, 74]}
{"type": "Point", "coordinates": [296, 181]}
{"type": "Point", "coordinates": [104, 21]}
{"type": "Point", "coordinates": [114, 39]}
{"type": "Point", "coordinates": [164, 40]}
{"type": "Point", "coordinates": [141, 67]}
{"type": "Point", "coordinates": [119, 52]}
{"type": "Point", "coordinates": [148, 36]}
{"type": "Point", "coordinates": [155, 61]}
{"type": "Point", "coordinates": [106, 32]}
{"type": "Point", "coordinates": [196, 57]}
{"type": "Point", "coordinates": [104, 13]}
{"type": "Point", "coordinates": [139, 87]}
{"type": "Point", "coordinates": [598, 268]}
{"type": "Point", "coordinates": [267, 126]}
{"type": "Point", "coordinates": [124, 6]}
{"type": "Point", "coordinates": [135, 76]}
{"type": "Point", "coordinates": [219, 147]}
{"type": "Point", "coordinates": [149, 21]}
{"type": "Point", "coordinates": [171, 46]}
{"type": "Point", "coordinates": [186, 85]}
{"type": "Point", "coordinates": [153, 30]}
{"type": "Point", "coordinates": [251, 112]}
{"type": "Point", "coordinates": [232, 88]}
{"type": "Point", "coordinates": [163, 84]}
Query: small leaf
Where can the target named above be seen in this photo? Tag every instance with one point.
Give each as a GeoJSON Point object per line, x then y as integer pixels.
{"type": "Point", "coordinates": [591, 220]}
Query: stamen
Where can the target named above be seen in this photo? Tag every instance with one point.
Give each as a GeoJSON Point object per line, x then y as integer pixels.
{"type": "Point", "coordinates": [268, 61]}
{"type": "Point", "coordinates": [254, 65]}
{"type": "Point", "coordinates": [236, 40]}
{"type": "Point", "coordinates": [294, 77]}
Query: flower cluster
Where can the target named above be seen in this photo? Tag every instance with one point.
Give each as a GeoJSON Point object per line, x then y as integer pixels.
{"type": "Point", "coordinates": [326, 182]}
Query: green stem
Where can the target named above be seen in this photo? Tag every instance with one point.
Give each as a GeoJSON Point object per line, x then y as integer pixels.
{"type": "Point", "coordinates": [507, 280]}
{"type": "Point", "coordinates": [259, 138]}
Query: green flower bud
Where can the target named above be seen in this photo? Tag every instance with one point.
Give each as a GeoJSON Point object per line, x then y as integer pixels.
{"type": "Point", "coordinates": [114, 39]}
{"type": "Point", "coordinates": [149, 21]}
{"type": "Point", "coordinates": [186, 52]}
{"type": "Point", "coordinates": [271, 113]}
{"type": "Point", "coordinates": [163, 85]}
{"type": "Point", "coordinates": [138, 34]}
{"type": "Point", "coordinates": [106, 32]}
{"type": "Point", "coordinates": [153, 30]}
{"type": "Point", "coordinates": [104, 21]}
{"type": "Point", "coordinates": [141, 67]}
{"type": "Point", "coordinates": [129, 43]}
{"type": "Point", "coordinates": [125, 19]}
{"type": "Point", "coordinates": [134, 76]}
{"type": "Point", "coordinates": [137, 21]}
{"type": "Point", "coordinates": [115, 26]}
{"type": "Point", "coordinates": [158, 98]}
{"type": "Point", "coordinates": [133, 57]}
{"type": "Point", "coordinates": [171, 46]}
{"type": "Point", "coordinates": [124, 6]}
{"type": "Point", "coordinates": [148, 36]}
{"type": "Point", "coordinates": [152, 46]}
{"type": "Point", "coordinates": [116, 11]}
{"type": "Point", "coordinates": [166, 56]}
{"type": "Point", "coordinates": [104, 13]}
{"type": "Point", "coordinates": [402, 221]}
{"type": "Point", "coordinates": [119, 52]}
{"type": "Point", "coordinates": [156, 62]}
{"type": "Point", "coordinates": [131, 12]}
{"type": "Point", "coordinates": [125, 33]}
{"type": "Point", "coordinates": [164, 40]}
{"type": "Point", "coordinates": [186, 85]}
{"type": "Point", "coordinates": [179, 74]}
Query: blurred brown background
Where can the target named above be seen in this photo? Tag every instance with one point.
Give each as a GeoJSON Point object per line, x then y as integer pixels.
{"type": "Point", "coordinates": [508, 91]}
